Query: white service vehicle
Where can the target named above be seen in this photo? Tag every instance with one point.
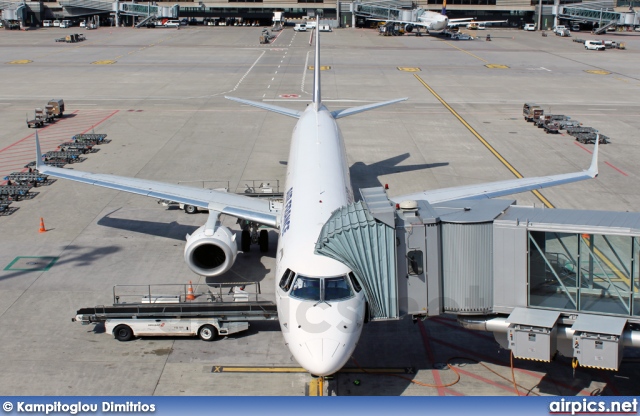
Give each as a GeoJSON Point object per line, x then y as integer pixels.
{"type": "Point", "coordinates": [207, 329]}
{"type": "Point", "coordinates": [172, 23]}
{"type": "Point", "coordinates": [530, 26]}
{"type": "Point", "coordinates": [65, 23]}
{"type": "Point", "coordinates": [46, 23]}
{"type": "Point", "coordinates": [300, 27]}
{"type": "Point", "coordinates": [594, 45]}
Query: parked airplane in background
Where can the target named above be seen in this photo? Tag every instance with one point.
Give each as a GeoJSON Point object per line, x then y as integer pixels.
{"type": "Point", "coordinates": [434, 22]}
{"type": "Point", "coordinates": [321, 306]}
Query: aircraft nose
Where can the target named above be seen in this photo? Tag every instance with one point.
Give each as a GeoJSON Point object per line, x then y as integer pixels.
{"type": "Point", "coordinates": [324, 358]}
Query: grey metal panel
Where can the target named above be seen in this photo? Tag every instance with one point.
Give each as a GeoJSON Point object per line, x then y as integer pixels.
{"type": "Point", "coordinates": [509, 268]}
{"type": "Point", "coordinates": [467, 265]}
{"type": "Point", "coordinates": [472, 210]}
{"type": "Point", "coordinates": [379, 205]}
{"type": "Point", "coordinates": [607, 222]}
{"type": "Point", "coordinates": [353, 237]}
{"type": "Point", "coordinates": [533, 317]}
{"type": "Point", "coordinates": [598, 324]}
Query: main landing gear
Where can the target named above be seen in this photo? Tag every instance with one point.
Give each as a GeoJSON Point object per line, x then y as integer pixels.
{"type": "Point", "coordinates": [251, 235]}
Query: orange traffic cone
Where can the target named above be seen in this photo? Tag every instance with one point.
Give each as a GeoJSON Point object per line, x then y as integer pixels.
{"type": "Point", "coordinates": [190, 295]}
{"type": "Point", "coordinates": [42, 229]}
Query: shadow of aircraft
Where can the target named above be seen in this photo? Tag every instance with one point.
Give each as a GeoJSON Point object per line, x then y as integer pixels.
{"type": "Point", "coordinates": [171, 230]}
{"type": "Point", "coordinates": [366, 176]}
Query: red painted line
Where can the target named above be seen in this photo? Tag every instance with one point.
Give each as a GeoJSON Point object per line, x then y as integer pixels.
{"type": "Point", "coordinates": [486, 380]}
{"type": "Point", "coordinates": [613, 167]}
{"type": "Point", "coordinates": [427, 347]}
{"type": "Point", "coordinates": [474, 333]}
{"type": "Point", "coordinates": [582, 147]}
{"type": "Point", "coordinates": [506, 364]}
{"type": "Point", "coordinates": [606, 163]}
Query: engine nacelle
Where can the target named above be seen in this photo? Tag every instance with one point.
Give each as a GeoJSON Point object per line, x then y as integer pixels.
{"type": "Point", "coordinates": [211, 255]}
{"type": "Point", "coordinates": [408, 28]}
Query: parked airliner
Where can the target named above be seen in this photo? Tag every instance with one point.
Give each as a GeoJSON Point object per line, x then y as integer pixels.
{"type": "Point", "coordinates": [434, 22]}
{"type": "Point", "coordinates": [321, 306]}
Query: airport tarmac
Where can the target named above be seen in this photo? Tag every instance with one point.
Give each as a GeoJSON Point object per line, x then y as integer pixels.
{"type": "Point", "coordinates": [158, 94]}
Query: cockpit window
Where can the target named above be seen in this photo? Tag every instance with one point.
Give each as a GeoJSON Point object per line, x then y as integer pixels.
{"type": "Point", "coordinates": [306, 288]}
{"type": "Point", "coordinates": [336, 288]}
{"type": "Point", "coordinates": [354, 282]}
{"type": "Point", "coordinates": [287, 278]}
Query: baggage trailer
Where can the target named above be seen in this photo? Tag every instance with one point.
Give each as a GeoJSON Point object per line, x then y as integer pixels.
{"type": "Point", "coordinates": [577, 130]}
{"type": "Point", "coordinates": [224, 311]}
{"type": "Point", "coordinates": [13, 192]}
{"type": "Point", "coordinates": [27, 178]}
{"type": "Point", "coordinates": [77, 146]}
{"type": "Point", "coordinates": [90, 138]}
{"type": "Point", "coordinates": [532, 111]}
{"type": "Point", "coordinates": [38, 120]}
{"type": "Point", "coordinates": [590, 138]}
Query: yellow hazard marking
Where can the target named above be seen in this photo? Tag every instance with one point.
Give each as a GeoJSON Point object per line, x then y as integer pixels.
{"type": "Point", "coordinates": [21, 62]}
{"type": "Point", "coordinates": [408, 69]}
{"type": "Point", "coordinates": [497, 66]}
{"type": "Point", "coordinates": [322, 67]}
{"type": "Point", "coordinates": [467, 52]}
{"type": "Point", "coordinates": [104, 62]}
{"type": "Point", "coordinates": [267, 369]}
{"type": "Point", "coordinates": [483, 141]}
{"type": "Point", "coordinates": [235, 369]}
{"type": "Point", "coordinates": [315, 387]}
{"type": "Point", "coordinates": [597, 71]}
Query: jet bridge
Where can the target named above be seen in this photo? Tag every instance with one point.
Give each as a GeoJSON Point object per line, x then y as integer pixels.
{"type": "Point", "coordinates": [544, 281]}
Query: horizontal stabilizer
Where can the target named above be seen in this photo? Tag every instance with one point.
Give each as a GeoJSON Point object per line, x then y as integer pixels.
{"type": "Point", "coordinates": [269, 107]}
{"type": "Point", "coordinates": [355, 110]}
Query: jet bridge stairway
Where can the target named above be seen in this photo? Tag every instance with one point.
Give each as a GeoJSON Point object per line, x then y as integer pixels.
{"type": "Point", "coordinates": [543, 281]}
{"type": "Point", "coordinates": [150, 19]}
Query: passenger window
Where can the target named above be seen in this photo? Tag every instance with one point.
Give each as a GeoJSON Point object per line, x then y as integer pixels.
{"type": "Point", "coordinates": [287, 278]}
{"type": "Point", "coordinates": [414, 260]}
{"type": "Point", "coordinates": [354, 282]}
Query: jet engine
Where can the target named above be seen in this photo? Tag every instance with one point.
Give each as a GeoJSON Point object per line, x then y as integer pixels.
{"type": "Point", "coordinates": [211, 252]}
{"type": "Point", "coordinates": [408, 28]}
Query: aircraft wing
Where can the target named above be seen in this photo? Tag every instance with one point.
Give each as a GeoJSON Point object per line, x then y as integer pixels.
{"type": "Point", "coordinates": [239, 206]}
{"type": "Point", "coordinates": [405, 22]}
{"type": "Point", "coordinates": [502, 188]}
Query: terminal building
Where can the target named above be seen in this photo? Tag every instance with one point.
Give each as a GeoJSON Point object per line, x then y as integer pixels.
{"type": "Point", "coordinates": [515, 13]}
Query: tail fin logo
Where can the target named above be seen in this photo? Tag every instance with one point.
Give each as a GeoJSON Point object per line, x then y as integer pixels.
{"type": "Point", "coordinates": [444, 7]}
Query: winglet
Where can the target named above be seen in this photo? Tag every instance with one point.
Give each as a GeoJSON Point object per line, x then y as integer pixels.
{"type": "Point", "coordinates": [38, 153]}
{"type": "Point", "coordinates": [593, 169]}
{"type": "Point", "coordinates": [317, 97]}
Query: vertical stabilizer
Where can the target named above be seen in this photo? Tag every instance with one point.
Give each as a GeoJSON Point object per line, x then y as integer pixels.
{"type": "Point", "coordinates": [317, 98]}
{"type": "Point", "coordinates": [38, 153]}
{"type": "Point", "coordinates": [444, 7]}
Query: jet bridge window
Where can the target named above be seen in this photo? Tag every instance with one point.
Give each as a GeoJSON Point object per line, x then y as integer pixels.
{"type": "Point", "coordinates": [336, 288]}
{"type": "Point", "coordinates": [306, 288]}
{"type": "Point", "coordinates": [415, 262]}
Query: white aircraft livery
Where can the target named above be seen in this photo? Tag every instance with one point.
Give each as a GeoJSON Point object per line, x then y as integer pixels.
{"type": "Point", "coordinates": [434, 22]}
{"type": "Point", "coordinates": [320, 303]}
